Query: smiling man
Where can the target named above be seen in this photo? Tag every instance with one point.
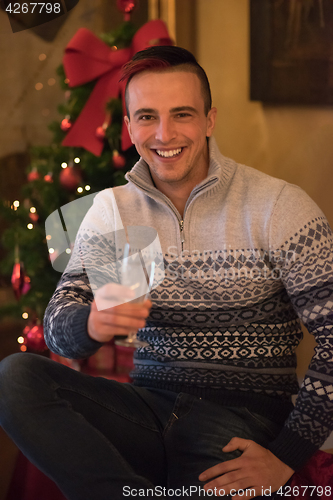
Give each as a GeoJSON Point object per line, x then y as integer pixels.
{"type": "Point", "coordinates": [247, 257]}
{"type": "Point", "coordinates": [168, 123]}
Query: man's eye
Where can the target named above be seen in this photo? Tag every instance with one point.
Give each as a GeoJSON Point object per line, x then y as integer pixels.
{"type": "Point", "coordinates": [183, 115]}
{"type": "Point", "coordinates": [146, 117]}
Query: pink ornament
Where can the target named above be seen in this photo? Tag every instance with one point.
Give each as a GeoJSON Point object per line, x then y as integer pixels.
{"type": "Point", "coordinates": [70, 178]}
{"type": "Point", "coordinates": [126, 6]}
{"type": "Point", "coordinates": [33, 175]}
{"type": "Point", "coordinates": [35, 339]}
{"type": "Point", "coordinates": [118, 160]}
{"type": "Point", "coordinates": [66, 124]}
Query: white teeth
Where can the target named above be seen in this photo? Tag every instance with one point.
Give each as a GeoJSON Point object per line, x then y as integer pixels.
{"type": "Point", "coordinates": [169, 154]}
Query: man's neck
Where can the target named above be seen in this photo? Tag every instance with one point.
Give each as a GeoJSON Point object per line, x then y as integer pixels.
{"type": "Point", "coordinates": [178, 191]}
{"type": "Point", "coordinates": [178, 195]}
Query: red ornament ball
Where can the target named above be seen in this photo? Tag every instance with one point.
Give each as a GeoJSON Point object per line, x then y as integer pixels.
{"type": "Point", "coordinates": [126, 6]}
{"type": "Point", "coordinates": [118, 160]}
{"type": "Point", "coordinates": [35, 339]}
{"type": "Point", "coordinates": [100, 132]}
{"type": "Point", "coordinates": [70, 178]}
{"type": "Point", "coordinates": [33, 217]}
{"type": "Point", "coordinates": [66, 124]}
{"type": "Point", "coordinates": [48, 178]}
{"type": "Point", "coordinates": [26, 330]}
{"type": "Point", "coordinates": [20, 281]}
{"type": "Point", "coordinates": [33, 175]}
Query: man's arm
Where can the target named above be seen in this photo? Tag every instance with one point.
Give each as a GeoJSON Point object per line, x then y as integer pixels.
{"type": "Point", "coordinates": [73, 325]}
{"type": "Point", "coordinates": [307, 274]}
{"type": "Point", "coordinates": [305, 259]}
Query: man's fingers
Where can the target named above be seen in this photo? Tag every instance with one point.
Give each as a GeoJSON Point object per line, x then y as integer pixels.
{"type": "Point", "coordinates": [256, 470]}
{"type": "Point", "coordinates": [135, 321]}
{"type": "Point", "coordinates": [135, 310]}
{"type": "Point", "coordinates": [105, 331]}
{"type": "Point", "coordinates": [119, 320]}
{"type": "Point", "coordinates": [246, 493]}
{"type": "Point", "coordinates": [228, 482]}
{"type": "Point", "coordinates": [221, 468]}
{"type": "Point", "coordinates": [129, 316]}
{"type": "Point", "coordinates": [237, 443]}
{"type": "Point", "coordinates": [233, 483]}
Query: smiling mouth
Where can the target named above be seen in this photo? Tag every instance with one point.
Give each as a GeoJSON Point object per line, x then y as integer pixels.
{"type": "Point", "coordinates": [171, 153]}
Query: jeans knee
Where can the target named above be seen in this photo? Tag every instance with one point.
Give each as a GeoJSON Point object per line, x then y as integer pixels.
{"type": "Point", "coordinates": [15, 374]}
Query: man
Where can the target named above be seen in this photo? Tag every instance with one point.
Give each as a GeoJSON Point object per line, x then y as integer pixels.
{"type": "Point", "coordinates": [245, 257]}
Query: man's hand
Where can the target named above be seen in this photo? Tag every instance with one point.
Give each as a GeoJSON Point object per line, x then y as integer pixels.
{"type": "Point", "coordinates": [109, 319]}
{"type": "Point", "coordinates": [257, 468]}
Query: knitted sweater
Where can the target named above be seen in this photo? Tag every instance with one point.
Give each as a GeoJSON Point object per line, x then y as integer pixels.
{"type": "Point", "coordinates": [250, 260]}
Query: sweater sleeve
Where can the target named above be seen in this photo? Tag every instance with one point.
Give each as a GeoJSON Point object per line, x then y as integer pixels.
{"type": "Point", "coordinates": [303, 246]}
{"type": "Point", "coordinates": [92, 264]}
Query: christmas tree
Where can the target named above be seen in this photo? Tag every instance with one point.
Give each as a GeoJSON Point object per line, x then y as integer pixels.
{"type": "Point", "coordinates": [90, 151]}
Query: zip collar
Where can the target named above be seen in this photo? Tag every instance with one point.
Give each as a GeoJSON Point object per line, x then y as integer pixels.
{"type": "Point", "coordinates": [218, 172]}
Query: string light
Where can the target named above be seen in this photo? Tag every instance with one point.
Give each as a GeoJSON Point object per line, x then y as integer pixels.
{"type": "Point", "coordinates": [64, 165]}
{"type": "Point", "coordinates": [39, 86]}
{"type": "Point", "coordinates": [23, 348]}
{"type": "Point", "coordinates": [80, 189]}
{"type": "Point", "coordinates": [30, 226]}
{"type": "Point", "coordinates": [77, 160]}
{"type": "Point", "coordinates": [51, 81]}
{"type": "Point", "coordinates": [25, 315]}
{"type": "Point", "coordinates": [87, 187]}
{"type": "Point", "coordinates": [16, 203]}
{"type": "Point", "coordinates": [42, 57]}
{"type": "Point", "coordinates": [51, 250]}
{"type": "Point", "coordinates": [68, 250]}
{"type": "Point", "coordinates": [33, 210]}
{"type": "Point", "coordinates": [20, 340]}
{"type": "Point", "coordinates": [48, 237]}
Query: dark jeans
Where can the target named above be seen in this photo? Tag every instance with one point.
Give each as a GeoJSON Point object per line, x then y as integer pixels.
{"type": "Point", "coordinates": [102, 440]}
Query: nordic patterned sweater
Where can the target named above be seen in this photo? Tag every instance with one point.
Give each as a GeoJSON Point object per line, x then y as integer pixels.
{"type": "Point", "coordinates": [250, 260]}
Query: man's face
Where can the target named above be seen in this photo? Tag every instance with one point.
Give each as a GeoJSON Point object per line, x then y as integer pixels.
{"type": "Point", "coordinates": [168, 125]}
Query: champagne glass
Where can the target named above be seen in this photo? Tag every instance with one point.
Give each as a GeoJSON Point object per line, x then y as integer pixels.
{"type": "Point", "coordinates": [136, 276]}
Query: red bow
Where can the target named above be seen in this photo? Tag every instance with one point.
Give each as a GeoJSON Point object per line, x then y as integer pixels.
{"type": "Point", "coordinates": [88, 58]}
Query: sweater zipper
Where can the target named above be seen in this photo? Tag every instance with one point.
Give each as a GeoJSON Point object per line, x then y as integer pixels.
{"type": "Point", "coordinates": [168, 202]}
{"type": "Point", "coordinates": [182, 239]}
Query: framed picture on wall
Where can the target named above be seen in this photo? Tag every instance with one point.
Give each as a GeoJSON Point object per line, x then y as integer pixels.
{"type": "Point", "coordinates": [291, 50]}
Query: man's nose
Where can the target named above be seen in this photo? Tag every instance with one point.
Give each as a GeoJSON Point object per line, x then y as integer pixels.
{"type": "Point", "coordinates": [165, 131]}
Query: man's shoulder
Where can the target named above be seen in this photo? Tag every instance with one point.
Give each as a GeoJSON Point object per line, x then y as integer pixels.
{"type": "Point", "coordinates": [245, 175]}
{"type": "Point", "coordinates": [255, 184]}
{"type": "Point", "coordinates": [254, 176]}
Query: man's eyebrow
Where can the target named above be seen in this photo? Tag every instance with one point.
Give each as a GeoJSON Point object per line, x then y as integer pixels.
{"type": "Point", "coordinates": [148, 111]}
{"type": "Point", "coordinates": [178, 109]}
{"type": "Point", "coordinates": [181, 109]}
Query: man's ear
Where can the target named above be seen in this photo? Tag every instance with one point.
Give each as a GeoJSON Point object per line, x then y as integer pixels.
{"type": "Point", "coordinates": [129, 128]}
{"type": "Point", "coordinates": [211, 119]}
